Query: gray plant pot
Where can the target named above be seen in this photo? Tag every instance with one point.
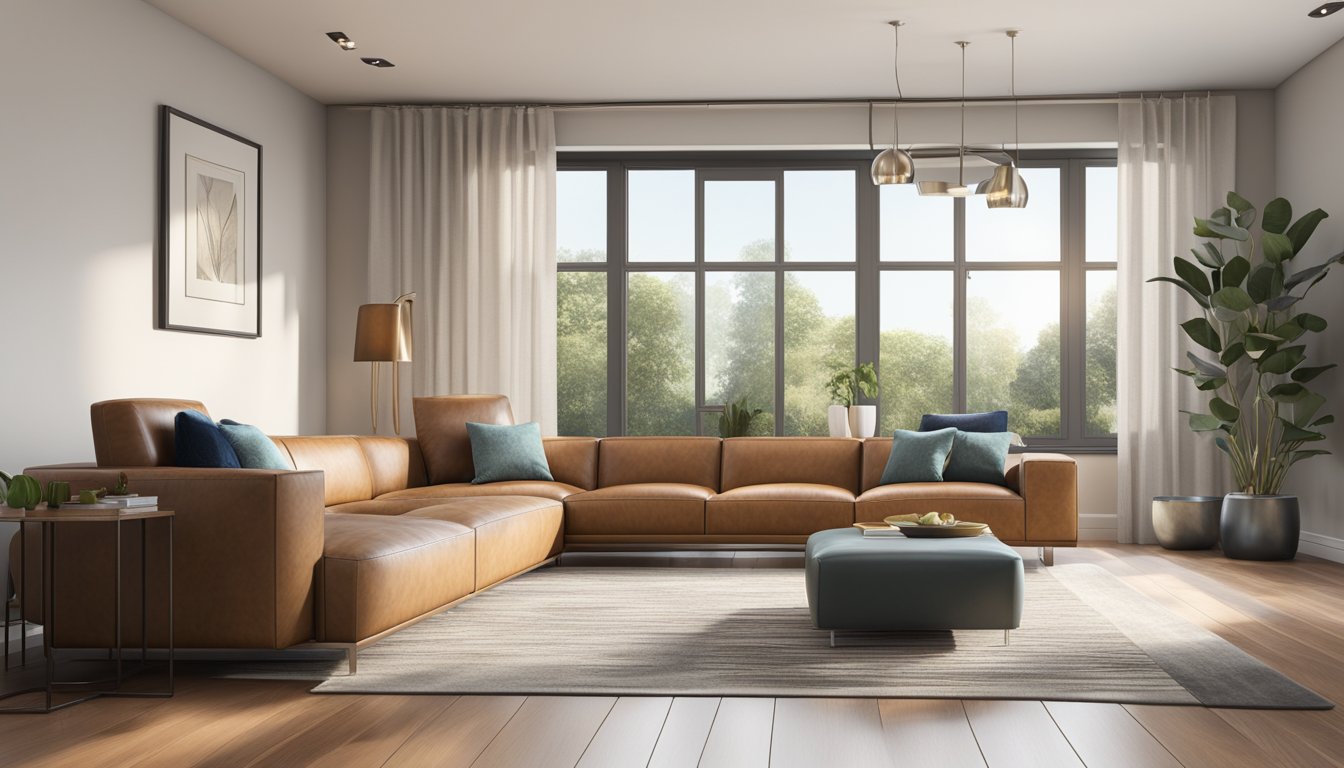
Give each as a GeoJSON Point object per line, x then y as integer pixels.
{"type": "Point", "coordinates": [1187, 522]}
{"type": "Point", "coordinates": [1260, 527]}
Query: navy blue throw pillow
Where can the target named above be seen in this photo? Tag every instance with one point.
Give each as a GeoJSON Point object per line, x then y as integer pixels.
{"type": "Point", "coordinates": [199, 442]}
{"type": "Point", "coordinates": [991, 421]}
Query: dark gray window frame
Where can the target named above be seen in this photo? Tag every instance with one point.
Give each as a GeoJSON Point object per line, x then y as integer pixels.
{"type": "Point", "coordinates": [1072, 267]}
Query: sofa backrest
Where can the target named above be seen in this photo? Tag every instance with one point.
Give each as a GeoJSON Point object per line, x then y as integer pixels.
{"type": "Point", "coordinates": [876, 451]}
{"type": "Point", "coordinates": [137, 432]}
{"type": "Point", "coordinates": [761, 460]}
{"type": "Point", "coordinates": [357, 468]}
{"type": "Point", "coordinates": [631, 460]}
{"type": "Point", "coordinates": [441, 427]}
{"type": "Point", "coordinates": [573, 460]}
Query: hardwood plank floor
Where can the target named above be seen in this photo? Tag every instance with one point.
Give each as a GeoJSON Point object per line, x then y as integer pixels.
{"type": "Point", "coordinates": [1289, 615]}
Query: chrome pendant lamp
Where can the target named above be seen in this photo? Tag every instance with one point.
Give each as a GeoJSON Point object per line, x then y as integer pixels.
{"type": "Point", "coordinates": [894, 166]}
{"type": "Point", "coordinates": [943, 188]}
{"type": "Point", "coordinates": [1006, 188]}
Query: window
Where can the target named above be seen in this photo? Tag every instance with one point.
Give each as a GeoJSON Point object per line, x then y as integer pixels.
{"type": "Point", "coordinates": [690, 283]}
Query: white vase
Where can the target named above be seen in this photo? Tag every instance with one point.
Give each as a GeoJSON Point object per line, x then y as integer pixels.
{"type": "Point", "coordinates": [837, 416]}
{"type": "Point", "coordinates": [862, 420]}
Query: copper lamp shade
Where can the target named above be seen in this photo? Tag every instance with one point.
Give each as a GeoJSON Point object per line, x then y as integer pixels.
{"type": "Point", "coordinates": [383, 335]}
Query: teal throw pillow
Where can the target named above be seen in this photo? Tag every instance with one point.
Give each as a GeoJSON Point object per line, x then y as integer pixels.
{"type": "Point", "coordinates": [918, 457]}
{"type": "Point", "coordinates": [255, 450]}
{"type": "Point", "coordinates": [978, 457]}
{"type": "Point", "coordinates": [507, 452]}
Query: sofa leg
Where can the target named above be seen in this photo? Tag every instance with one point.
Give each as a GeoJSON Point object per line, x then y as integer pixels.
{"type": "Point", "coordinates": [832, 638]}
{"type": "Point", "coordinates": [1005, 637]}
{"type": "Point", "coordinates": [1047, 556]}
{"type": "Point", "coordinates": [352, 657]}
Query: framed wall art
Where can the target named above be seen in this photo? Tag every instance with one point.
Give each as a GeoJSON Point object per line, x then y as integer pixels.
{"type": "Point", "coordinates": [210, 218]}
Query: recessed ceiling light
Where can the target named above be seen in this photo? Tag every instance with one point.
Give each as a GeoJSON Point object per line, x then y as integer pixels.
{"type": "Point", "coordinates": [340, 39]}
{"type": "Point", "coordinates": [376, 62]}
{"type": "Point", "coordinates": [1326, 10]}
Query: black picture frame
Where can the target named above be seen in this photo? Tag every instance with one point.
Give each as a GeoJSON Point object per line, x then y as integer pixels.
{"type": "Point", "coordinates": [209, 262]}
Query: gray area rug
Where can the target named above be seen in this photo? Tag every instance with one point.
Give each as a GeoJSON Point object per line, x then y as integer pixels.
{"type": "Point", "coordinates": [1085, 636]}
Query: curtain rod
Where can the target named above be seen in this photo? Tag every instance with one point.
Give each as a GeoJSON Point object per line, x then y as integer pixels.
{"type": "Point", "coordinates": [1041, 100]}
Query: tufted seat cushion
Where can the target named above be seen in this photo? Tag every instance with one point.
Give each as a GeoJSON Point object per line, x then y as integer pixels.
{"type": "Point", "coordinates": [639, 509]}
{"type": "Point", "coordinates": [378, 572]}
{"type": "Point", "coordinates": [513, 533]}
{"type": "Point", "coordinates": [779, 509]}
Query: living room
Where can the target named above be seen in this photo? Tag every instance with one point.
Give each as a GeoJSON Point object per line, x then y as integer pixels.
{"type": "Point", "coordinates": [772, 255]}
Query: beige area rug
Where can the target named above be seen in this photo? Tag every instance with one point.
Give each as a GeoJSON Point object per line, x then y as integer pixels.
{"type": "Point", "coordinates": [1085, 636]}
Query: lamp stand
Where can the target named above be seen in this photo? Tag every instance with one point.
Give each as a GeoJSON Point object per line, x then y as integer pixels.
{"type": "Point", "coordinates": [396, 398]}
{"type": "Point", "coordinates": [373, 395]}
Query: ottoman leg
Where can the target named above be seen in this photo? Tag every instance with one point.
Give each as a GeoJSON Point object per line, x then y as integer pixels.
{"type": "Point", "coordinates": [1005, 637]}
{"type": "Point", "coordinates": [832, 638]}
{"type": "Point", "coordinates": [1047, 555]}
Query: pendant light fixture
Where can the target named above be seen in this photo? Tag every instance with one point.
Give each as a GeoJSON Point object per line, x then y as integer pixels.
{"type": "Point", "coordinates": [943, 188]}
{"type": "Point", "coordinates": [1006, 188]}
{"type": "Point", "coordinates": [894, 166]}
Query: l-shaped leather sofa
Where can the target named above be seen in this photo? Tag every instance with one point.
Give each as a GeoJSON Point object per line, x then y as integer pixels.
{"type": "Point", "coordinates": [368, 534]}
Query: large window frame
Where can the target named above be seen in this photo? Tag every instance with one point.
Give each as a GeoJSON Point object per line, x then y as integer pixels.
{"type": "Point", "coordinates": [1072, 266]}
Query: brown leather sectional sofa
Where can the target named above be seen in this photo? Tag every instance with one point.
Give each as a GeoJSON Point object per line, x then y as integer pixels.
{"type": "Point", "coordinates": [368, 534]}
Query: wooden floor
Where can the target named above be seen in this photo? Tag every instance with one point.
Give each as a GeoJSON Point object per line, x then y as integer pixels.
{"type": "Point", "coordinates": [1289, 615]}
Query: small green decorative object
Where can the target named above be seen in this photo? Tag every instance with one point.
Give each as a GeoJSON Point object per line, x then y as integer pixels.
{"type": "Point", "coordinates": [58, 493]}
{"type": "Point", "coordinates": [89, 497]}
{"type": "Point", "coordinates": [24, 493]}
{"type": "Point", "coordinates": [120, 488]}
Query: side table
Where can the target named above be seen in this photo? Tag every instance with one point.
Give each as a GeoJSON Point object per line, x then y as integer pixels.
{"type": "Point", "coordinates": [50, 520]}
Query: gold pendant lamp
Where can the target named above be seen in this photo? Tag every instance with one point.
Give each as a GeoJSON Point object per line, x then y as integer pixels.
{"type": "Point", "coordinates": [894, 166]}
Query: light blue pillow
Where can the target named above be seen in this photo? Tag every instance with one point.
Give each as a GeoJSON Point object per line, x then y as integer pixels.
{"type": "Point", "coordinates": [507, 452]}
{"type": "Point", "coordinates": [918, 457]}
{"type": "Point", "coordinates": [978, 457]}
{"type": "Point", "coordinates": [255, 450]}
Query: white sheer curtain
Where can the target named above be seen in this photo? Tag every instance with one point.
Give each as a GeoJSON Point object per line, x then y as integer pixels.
{"type": "Point", "coordinates": [463, 213]}
{"type": "Point", "coordinates": [1176, 161]}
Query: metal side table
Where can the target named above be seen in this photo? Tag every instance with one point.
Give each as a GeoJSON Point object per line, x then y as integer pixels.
{"type": "Point", "coordinates": [49, 521]}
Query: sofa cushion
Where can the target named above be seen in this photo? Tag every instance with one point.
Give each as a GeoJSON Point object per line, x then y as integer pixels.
{"type": "Point", "coordinates": [341, 460]}
{"type": "Point", "coordinates": [253, 448]}
{"type": "Point", "coordinates": [978, 457]}
{"type": "Point", "coordinates": [441, 428]}
{"type": "Point", "coordinates": [199, 442]}
{"type": "Point", "coordinates": [779, 508]}
{"type": "Point", "coordinates": [394, 463]}
{"type": "Point", "coordinates": [137, 432]}
{"type": "Point", "coordinates": [640, 460]}
{"type": "Point", "coordinates": [767, 460]}
{"type": "Point", "coordinates": [513, 533]}
{"type": "Point", "coordinates": [999, 507]}
{"type": "Point", "coordinates": [989, 421]}
{"type": "Point", "coordinates": [638, 508]}
{"type": "Point", "coordinates": [379, 572]}
{"type": "Point", "coordinates": [507, 452]}
{"type": "Point", "coordinates": [538, 488]}
{"type": "Point", "coordinates": [918, 457]}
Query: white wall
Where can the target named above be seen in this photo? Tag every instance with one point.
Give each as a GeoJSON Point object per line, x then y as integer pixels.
{"type": "Point", "coordinates": [78, 223]}
{"type": "Point", "coordinates": [1309, 124]}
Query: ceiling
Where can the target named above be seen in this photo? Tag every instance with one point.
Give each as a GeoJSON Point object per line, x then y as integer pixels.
{"type": "Point", "coordinates": [645, 50]}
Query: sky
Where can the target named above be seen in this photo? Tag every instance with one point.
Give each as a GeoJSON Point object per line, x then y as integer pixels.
{"type": "Point", "coordinates": [819, 226]}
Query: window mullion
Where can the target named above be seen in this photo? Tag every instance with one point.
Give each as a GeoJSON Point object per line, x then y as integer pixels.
{"type": "Point", "coordinates": [959, 318]}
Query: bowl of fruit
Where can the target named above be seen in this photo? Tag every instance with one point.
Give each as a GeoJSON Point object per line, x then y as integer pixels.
{"type": "Point", "coordinates": [935, 525]}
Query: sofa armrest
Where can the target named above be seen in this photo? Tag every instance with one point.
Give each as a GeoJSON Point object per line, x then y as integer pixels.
{"type": "Point", "coordinates": [1048, 483]}
{"type": "Point", "coordinates": [246, 544]}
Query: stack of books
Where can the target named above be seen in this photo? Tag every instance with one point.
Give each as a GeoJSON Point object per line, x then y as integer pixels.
{"type": "Point", "coordinates": [128, 503]}
{"type": "Point", "coordinates": [879, 529]}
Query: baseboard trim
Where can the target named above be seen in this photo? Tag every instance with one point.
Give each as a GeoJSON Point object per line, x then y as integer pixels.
{"type": "Point", "coordinates": [1322, 546]}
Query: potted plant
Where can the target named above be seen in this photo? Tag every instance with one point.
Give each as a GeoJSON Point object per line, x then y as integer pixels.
{"type": "Point", "coordinates": [845, 387]}
{"type": "Point", "coordinates": [737, 418]}
{"type": "Point", "coordinates": [1254, 340]}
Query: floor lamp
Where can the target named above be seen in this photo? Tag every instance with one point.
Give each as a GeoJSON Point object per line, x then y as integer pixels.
{"type": "Point", "coordinates": [383, 335]}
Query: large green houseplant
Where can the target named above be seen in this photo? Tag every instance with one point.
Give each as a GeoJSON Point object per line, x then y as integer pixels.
{"type": "Point", "coordinates": [1254, 361]}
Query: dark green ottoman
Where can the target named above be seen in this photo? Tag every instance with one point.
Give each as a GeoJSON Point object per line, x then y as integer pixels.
{"type": "Point", "coordinates": [888, 584]}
